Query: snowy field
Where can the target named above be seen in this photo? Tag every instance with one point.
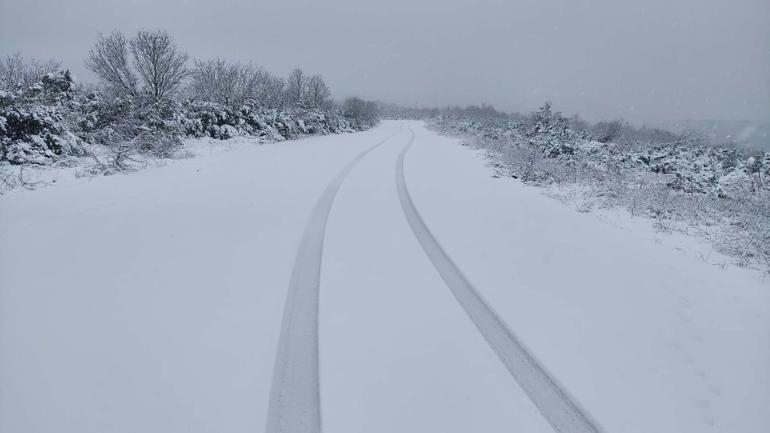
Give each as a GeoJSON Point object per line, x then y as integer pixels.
{"type": "Point", "coordinates": [154, 302]}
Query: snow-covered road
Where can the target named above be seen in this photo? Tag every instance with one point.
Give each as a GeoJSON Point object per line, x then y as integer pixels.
{"type": "Point", "coordinates": [560, 409]}
{"type": "Point", "coordinates": [295, 403]}
{"type": "Point", "coordinates": [184, 298]}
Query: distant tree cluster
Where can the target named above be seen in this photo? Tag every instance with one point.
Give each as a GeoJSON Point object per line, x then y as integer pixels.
{"type": "Point", "coordinates": [150, 94]}
{"type": "Point", "coordinates": [366, 113]}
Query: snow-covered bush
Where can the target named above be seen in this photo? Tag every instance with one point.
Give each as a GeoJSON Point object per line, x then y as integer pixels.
{"type": "Point", "coordinates": [144, 103]}
{"type": "Point", "coordinates": [550, 133]}
{"type": "Point", "coordinates": [34, 134]}
{"type": "Point", "coordinates": [218, 121]}
{"type": "Point", "coordinates": [34, 125]}
{"type": "Point", "coordinates": [721, 193]}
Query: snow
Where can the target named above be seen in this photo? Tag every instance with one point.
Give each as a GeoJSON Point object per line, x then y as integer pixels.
{"type": "Point", "coordinates": [397, 352]}
{"type": "Point", "coordinates": [79, 169]}
{"type": "Point", "coordinates": [645, 334]}
{"type": "Point", "coordinates": [153, 301]}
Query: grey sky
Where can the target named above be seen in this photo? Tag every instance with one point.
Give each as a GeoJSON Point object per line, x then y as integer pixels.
{"type": "Point", "coordinates": [645, 61]}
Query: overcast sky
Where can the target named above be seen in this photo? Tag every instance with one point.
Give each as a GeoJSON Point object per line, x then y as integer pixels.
{"type": "Point", "coordinates": [645, 61]}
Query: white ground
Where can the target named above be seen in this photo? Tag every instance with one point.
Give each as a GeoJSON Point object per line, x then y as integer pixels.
{"type": "Point", "coordinates": [153, 302]}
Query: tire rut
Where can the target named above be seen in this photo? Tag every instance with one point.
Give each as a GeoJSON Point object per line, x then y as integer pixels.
{"type": "Point", "coordinates": [295, 401]}
{"type": "Point", "coordinates": [561, 411]}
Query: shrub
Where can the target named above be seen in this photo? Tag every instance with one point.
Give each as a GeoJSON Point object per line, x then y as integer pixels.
{"type": "Point", "coordinates": [721, 193]}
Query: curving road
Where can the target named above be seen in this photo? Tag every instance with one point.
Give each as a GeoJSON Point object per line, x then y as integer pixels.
{"type": "Point", "coordinates": [294, 396]}
{"type": "Point", "coordinates": [376, 282]}
{"type": "Point", "coordinates": [297, 392]}
{"type": "Point", "coordinates": [561, 410]}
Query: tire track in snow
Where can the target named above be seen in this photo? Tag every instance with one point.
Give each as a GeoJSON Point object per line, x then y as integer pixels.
{"type": "Point", "coordinates": [563, 412]}
{"type": "Point", "coordinates": [295, 401]}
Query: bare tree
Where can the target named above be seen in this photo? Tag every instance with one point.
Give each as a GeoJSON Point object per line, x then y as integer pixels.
{"type": "Point", "coordinates": [17, 74]}
{"type": "Point", "coordinates": [254, 84]}
{"type": "Point", "coordinates": [109, 60]}
{"type": "Point", "coordinates": [234, 85]}
{"type": "Point", "coordinates": [295, 87]}
{"type": "Point", "coordinates": [12, 72]}
{"type": "Point", "coordinates": [274, 92]}
{"type": "Point", "coordinates": [159, 62]}
{"type": "Point", "coordinates": [317, 92]}
{"type": "Point", "coordinates": [215, 81]}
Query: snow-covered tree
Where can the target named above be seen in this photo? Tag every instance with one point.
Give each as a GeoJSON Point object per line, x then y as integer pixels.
{"type": "Point", "coordinates": [110, 61]}
{"type": "Point", "coordinates": [159, 62]}
{"type": "Point", "coordinates": [234, 85]}
{"type": "Point", "coordinates": [295, 87]}
{"type": "Point", "coordinates": [363, 113]}
{"type": "Point", "coordinates": [317, 92]}
{"type": "Point", "coordinates": [216, 81]}
{"type": "Point", "coordinates": [155, 68]}
{"type": "Point", "coordinates": [550, 132]}
{"type": "Point", "coordinates": [270, 92]}
{"type": "Point", "coordinates": [17, 74]}
{"type": "Point", "coordinates": [34, 122]}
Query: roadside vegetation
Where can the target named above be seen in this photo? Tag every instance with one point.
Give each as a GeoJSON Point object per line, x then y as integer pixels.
{"type": "Point", "coordinates": [149, 97]}
{"type": "Point", "coordinates": [683, 182]}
